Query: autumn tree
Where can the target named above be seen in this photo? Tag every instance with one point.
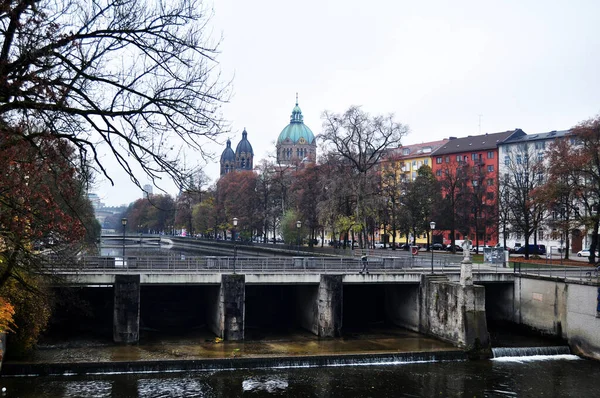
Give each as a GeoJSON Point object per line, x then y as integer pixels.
{"type": "Point", "coordinates": [575, 180]}
{"type": "Point", "coordinates": [307, 192]}
{"type": "Point", "coordinates": [361, 140]}
{"type": "Point", "coordinates": [237, 198]}
{"type": "Point", "coordinates": [42, 202]}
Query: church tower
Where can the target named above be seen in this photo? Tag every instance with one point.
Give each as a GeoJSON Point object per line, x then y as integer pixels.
{"type": "Point", "coordinates": [241, 159]}
{"type": "Point", "coordinates": [296, 143]}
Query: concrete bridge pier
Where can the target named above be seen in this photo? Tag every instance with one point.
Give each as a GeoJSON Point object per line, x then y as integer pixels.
{"type": "Point", "coordinates": [330, 300]}
{"type": "Point", "coordinates": [318, 308]}
{"type": "Point", "coordinates": [456, 313]}
{"type": "Point", "coordinates": [126, 312]}
{"type": "Point", "coordinates": [227, 307]}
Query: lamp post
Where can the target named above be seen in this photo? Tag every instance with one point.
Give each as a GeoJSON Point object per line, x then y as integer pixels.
{"type": "Point", "coordinates": [235, 222]}
{"type": "Point", "coordinates": [298, 226]}
{"type": "Point", "coordinates": [432, 226]}
{"type": "Point", "coordinates": [124, 224]}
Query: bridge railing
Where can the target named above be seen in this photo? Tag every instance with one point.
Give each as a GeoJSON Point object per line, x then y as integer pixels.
{"type": "Point", "coordinates": [565, 271]}
{"type": "Point", "coordinates": [209, 264]}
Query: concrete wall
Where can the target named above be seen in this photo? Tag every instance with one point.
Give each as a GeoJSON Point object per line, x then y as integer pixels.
{"type": "Point", "coordinates": [454, 313]}
{"type": "Point", "coordinates": [126, 313]}
{"type": "Point", "coordinates": [541, 304]}
{"type": "Point", "coordinates": [307, 307]}
{"type": "Point", "coordinates": [330, 300]}
{"type": "Point", "coordinates": [233, 301]}
{"type": "Point", "coordinates": [402, 305]}
{"type": "Point", "coordinates": [583, 320]}
{"type": "Point", "coordinates": [561, 309]}
{"type": "Point", "coordinates": [226, 307]}
{"type": "Point", "coordinates": [214, 315]}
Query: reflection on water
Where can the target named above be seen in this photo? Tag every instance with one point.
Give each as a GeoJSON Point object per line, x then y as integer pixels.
{"type": "Point", "coordinates": [442, 379]}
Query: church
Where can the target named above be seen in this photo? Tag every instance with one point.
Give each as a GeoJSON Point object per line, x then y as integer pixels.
{"type": "Point", "coordinates": [296, 144]}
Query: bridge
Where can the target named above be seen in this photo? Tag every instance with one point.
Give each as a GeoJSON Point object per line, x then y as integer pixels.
{"type": "Point", "coordinates": [320, 294]}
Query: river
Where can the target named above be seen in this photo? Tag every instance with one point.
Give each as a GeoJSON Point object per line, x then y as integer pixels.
{"type": "Point", "coordinates": [490, 378]}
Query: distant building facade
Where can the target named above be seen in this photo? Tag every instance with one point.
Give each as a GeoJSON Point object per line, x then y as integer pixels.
{"type": "Point", "coordinates": [241, 159]}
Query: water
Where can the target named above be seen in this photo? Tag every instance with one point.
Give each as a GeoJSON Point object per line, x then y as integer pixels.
{"type": "Point", "coordinates": [540, 378]}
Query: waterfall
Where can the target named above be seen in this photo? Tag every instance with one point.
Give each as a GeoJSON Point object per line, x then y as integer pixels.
{"type": "Point", "coordinates": [43, 369]}
{"type": "Point", "coordinates": [521, 353]}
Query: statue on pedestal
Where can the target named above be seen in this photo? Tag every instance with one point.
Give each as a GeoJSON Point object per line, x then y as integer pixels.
{"type": "Point", "coordinates": [466, 266]}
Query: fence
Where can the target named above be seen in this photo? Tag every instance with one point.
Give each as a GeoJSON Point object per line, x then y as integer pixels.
{"type": "Point", "coordinates": [208, 264]}
{"type": "Point", "coordinates": [582, 273]}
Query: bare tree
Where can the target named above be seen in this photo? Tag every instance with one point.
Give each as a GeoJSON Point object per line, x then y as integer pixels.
{"type": "Point", "coordinates": [361, 140]}
{"type": "Point", "coordinates": [137, 76]}
{"type": "Point", "coordinates": [524, 175]}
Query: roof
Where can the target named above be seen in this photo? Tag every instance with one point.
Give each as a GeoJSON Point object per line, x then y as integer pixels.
{"type": "Point", "coordinates": [476, 143]}
{"type": "Point", "coordinates": [424, 149]}
{"type": "Point", "coordinates": [537, 137]}
{"type": "Point", "coordinates": [296, 129]}
{"type": "Point", "coordinates": [228, 153]}
{"type": "Point", "coordinates": [244, 144]}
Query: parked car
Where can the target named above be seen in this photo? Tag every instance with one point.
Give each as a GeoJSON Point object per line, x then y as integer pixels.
{"type": "Point", "coordinates": [533, 249]}
{"type": "Point", "coordinates": [457, 248]}
{"type": "Point", "coordinates": [478, 249]}
{"type": "Point", "coordinates": [585, 253]}
{"type": "Point", "coordinates": [438, 246]}
{"type": "Point", "coordinates": [379, 245]}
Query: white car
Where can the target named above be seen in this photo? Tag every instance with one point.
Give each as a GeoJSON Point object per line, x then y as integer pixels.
{"type": "Point", "coordinates": [585, 253]}
{"type": "Point", "coordinates": [379, 245]}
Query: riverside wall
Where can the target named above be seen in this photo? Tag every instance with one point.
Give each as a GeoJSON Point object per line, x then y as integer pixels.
{"type": "Point", "coordinates": [565, 309]}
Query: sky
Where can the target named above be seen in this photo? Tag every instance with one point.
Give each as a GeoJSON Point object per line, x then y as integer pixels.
{"type": "Point", "coordinates": [444, 68]}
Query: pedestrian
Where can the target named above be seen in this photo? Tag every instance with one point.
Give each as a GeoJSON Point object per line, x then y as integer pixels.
{"type": "Point", "coordinates": [365, 264]}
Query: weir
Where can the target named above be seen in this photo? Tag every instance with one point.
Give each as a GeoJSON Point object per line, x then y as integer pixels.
{"type": "Point", "coordinates": [499, 352]}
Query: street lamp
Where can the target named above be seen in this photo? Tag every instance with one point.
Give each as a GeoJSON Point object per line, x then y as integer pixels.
{"type": "Point", "coordinates": [432, 226]}
{"type": "Point", "coordinates": [235, 222]}
{"type": "Point", "coordinates": [124, 224]}
{"type": "Point", "coordinates": [298, 226]}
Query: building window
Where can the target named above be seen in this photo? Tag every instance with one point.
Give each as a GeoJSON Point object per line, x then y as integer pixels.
{"type": "Point", "coordinates": [540, 234]}
{"type": "Point", "coordinates": [458, 158]}
{"type": "Point", "coordinates": [540, 178]}
{"type": "Point", "coordinates": [438, 160]}
{"type": "Point", "coordinates": [473, 156]}
{"type": "Point", "coordinates": [414, 163]}
{"type": "Point", "coordinates": [540, 156]}
{"type": "Point", "coordinates": [426, 161]}
{"type": "Point", "coordinates": [490, 155]}
{"type": "Point", "coordinates": [540, 145]}
{"type": "Point", "coordinates": [475, 183]}
{"type": "Point", "coordinates": [438, 173]}
{"type": "Point", "coordinates": [490, 182]}
{"type": "Point", "coordinates": [405, 151]}
{"type": "Point", "coordinates": [490, 169]}
{"type": "Point", "coordinates": [519, 159]}
{"type": "Point", "coordinates": [489, 195]}
{"type": "Point", "coordinates": [447, 159]}
{"type": "Point", "coordinates": [507, 160]}
{"type": "Point", "coordinates": [414, 175]}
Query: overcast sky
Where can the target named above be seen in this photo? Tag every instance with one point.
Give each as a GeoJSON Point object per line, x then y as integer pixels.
{"type": "Point", "coordinates": [444, 68]}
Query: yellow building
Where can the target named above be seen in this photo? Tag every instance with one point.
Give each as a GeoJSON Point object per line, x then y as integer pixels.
{"type": "Point", "coordinates": [400, 165]}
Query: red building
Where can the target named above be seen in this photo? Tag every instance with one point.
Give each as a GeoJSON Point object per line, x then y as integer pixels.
{"type": "Point", "coordinates": [467, 169]}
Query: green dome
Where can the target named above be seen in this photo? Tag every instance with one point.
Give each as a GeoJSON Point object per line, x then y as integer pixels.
{"type": "Point", "coordinates": [296, 129]}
